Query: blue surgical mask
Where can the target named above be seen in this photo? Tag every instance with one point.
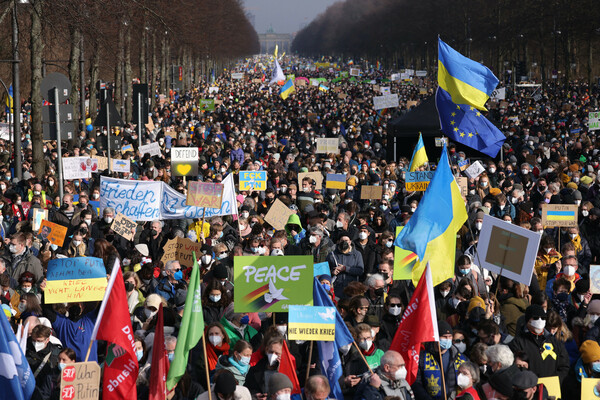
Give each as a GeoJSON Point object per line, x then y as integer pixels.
{"type": "Point", "coordinates": [465, 271]}
{"type": "Point", "coordinates": [596, 366]}
{"type": "Point", "coordinates": [445, 343]}
{"type": "Point", "coordinates": [178, 275]}
{"type": "Point", "coordinates": [171, 356]}
{"type": "Point", "coordinates": [326, 287]}
{"type": "Point", "coordinates": [389, 243]}
{"type": "Point", "coordinates": [245, 319]}
{"type": "Point", "coordinates": [61, 366]}
{"type": "Point", "coordinates": [139, 354]}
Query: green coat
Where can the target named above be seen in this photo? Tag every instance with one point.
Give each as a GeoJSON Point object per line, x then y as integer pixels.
{"type": "Point", "coordinates": [234, 334]}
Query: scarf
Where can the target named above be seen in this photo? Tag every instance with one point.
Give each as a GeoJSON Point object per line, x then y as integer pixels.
{"type": "Point", "coordinates": [370, 351]}
{"type": "Point", "coordinates": [212, 353]}
{"type": "Point", "coordinates": [242, 368]}
{"type": "Point", "coordinates": [577, 243]}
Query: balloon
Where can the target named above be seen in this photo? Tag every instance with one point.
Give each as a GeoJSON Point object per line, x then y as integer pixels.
{"type": "Point", "coordinates": [88, 121]}
{"type": "Point", "coordinates": [89, 128]}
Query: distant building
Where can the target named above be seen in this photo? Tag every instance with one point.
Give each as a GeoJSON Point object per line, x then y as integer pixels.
{"type": "Point", "coordinates": [269, 40]}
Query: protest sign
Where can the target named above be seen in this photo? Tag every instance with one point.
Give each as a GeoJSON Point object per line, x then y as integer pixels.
{"type": "Point", "coordinates": [80, 381]}
{"type": "Point", "coordinates": [204, 194]}
{"type": "Point", "coordinates": [474, 170]}
{"type": "Point", "coordinates": [404, 261]}
{"type": "Point", "coordinates": [417, 181]}
{"type": "Point", "coordinates": [342, 96]}
{"type": "Point", "coordinates": [552, 384]}
{"type": "Point", "coordinates": [75, 279]}
{"type": "Point", "coordinates": [272, 283]}
{"type": "Point", "coordinates": [52, 232]}
{"type": "Point", "coordinates": [123, 226]}
{"type": "Point", "coordinates": [278, 215]}
{"type": "Point", "coordinates": [336, 181]}
{"type": "Point", "coordinates": [38, 215]}
{"type": "Point", "coordinates": [102, 163]}
{"type": "Point", "coordinates": [411, 103]}
{"type": "Point", "coordinates": [464, 164]}
{"type": "Point", "coordinates": [181, 249]}
{"type": "Point", "coordinates": [237, 75]}
{"type": "Point", "coordinates": [328, 145]}
{"type": "Point", "coordinates": [385, 90]}
{"type": "Point", "coordinates": [207, 105]}
{"type": "Point", "coordinates": [595, 279]}
{"type": "Point", "coordinates": [315, 175]}
{"type": "Point", "coordinates": [147, 200]}
{"type": "Point", "coordinates": [371, 192]}
{"type": "Point", "coordinates": [507, 249]}
{"type": "Point", "coordinates": [561, 215]}
{"type": "Point", "coordinates": [321, 269]}
{"type": "Point", "coordinates": [120, 165]}
{"type": "Point", "coordinates": [149, 125]}
{"type": "Point", "coordinates": [421, 73]}
{"type": "Point", "coordinates": [184, 161]}
{"type": "Point", "coordinates": [463, 184]}
{"type": "Point", "coordinates": [77, 167]}
{"type": "Point", "coordinates": [594, 121]}
{"type": "Point", "coordinates": [498, 94]}
{"type": "Point", "coordinates": [253, 180]}
{"type": "Point", "coordinates": [354, 71]}
{"type": "Point", "coordinates": [440, 141]}
{"type": "Point", "coordinates": [311, 323]}
{"type": "Point", "coordinates": [386, 101]}
{"type": "Point", "coordinates": [126, 148]}
{"type": "Point", "coordinates": [215, 89]}
{"type": "Point", "coordinates": [153, 149]}
{"type": "Point", "coordinates": [588, 388]}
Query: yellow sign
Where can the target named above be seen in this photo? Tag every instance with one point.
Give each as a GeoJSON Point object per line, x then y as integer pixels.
{"type": "Point", "coordinates": [416, 186]}
{"type": "Point", "coordinates": [311, 323]}
{"type": "Point", "coordinates": [552, 384]}
{"type": "Point", "coordinates": [590, 388]}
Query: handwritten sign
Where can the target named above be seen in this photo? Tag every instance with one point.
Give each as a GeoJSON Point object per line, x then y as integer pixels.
{"type": "Point", "coordinates": [311, 323]}
{"type": "Point", "coordinates": [80, 381]}
{"type": "Point", "coordinates": [52, 232]}
{"type": "Point", "coordinates": [315, 175]}
{"type": "Point", "coordinates": [77, 167]}
{"type": "Point", "coordinates": [474, 170]}
{"type": "Point", "coordinates": [595, 279]}
{"type": "Point", "coordinates": [328, 145]}
{"type": "Point", "coordinates": [120, 165]}
{"type": "Point", "coordinates": [385, 101]}
{"type": "Point", "coordinates": [75, 279]}
{"type": "Point", "coordinates": [38, 215]}
{"type": "Point", "coordinates": [562, 215]}
{"type": "Point", "coordinates": [253, 180]}
{"type": "Point", "coordinates": [102, 163]}
{"type": "Point", "coordinates": [278, 215]}
{"type": "Point", "coordinates": [181, 249]}
{"type": "Point", "coordinates": [201, 194]}
{"type": "Point", "coordinates": [153, 149]}
{"type": "Point", "coordinates": [371, 192]}
{"type": "Point", "coordinates": [184, 161]}
{"type": "Point", "coordinates": [123, 226]}
{"type": "Point", "coordinates": [417, 181]}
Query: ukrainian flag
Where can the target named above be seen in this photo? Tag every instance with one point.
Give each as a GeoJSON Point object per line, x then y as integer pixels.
{"type": "Point", "coordinates": [467, 81]}
{"type": "Point", "coordinates": [9, 100]}
{"type": "Point", "coordinates": [431, 231]}
{"type": "Point", "coordinates": [287, 89]}
{"type": "Point", "coordinates": [419, 156]}
{"type": "Point", "coordinates": [323, 88]}
{"type": "Point", "coordinates": [336, 181]}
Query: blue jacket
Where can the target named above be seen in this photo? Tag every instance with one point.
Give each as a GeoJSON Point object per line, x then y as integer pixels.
{"type": "Point", "coordinates": [77, 334]}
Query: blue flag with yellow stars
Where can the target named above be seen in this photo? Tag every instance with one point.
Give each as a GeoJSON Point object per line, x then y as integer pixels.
{"type": "Point", "coordinates": [465, 124]}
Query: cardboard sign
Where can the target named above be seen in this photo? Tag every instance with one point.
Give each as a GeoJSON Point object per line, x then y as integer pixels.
{"type": "Point", "coordinates": [315, 175]}
{"type": "Point", "coordinates": [588, 388]}
{"type": "Point", "coordinates": [80, 381]}
{"type": "Point", "coordinates": [184, 161]}
{"type": "Point", "coordinates": [299, 82]}
{"type": "Point", "coordinates": [474, 170]}
{"type": "Point", "coordinates": [120, 165]}
{"type": "Point", "coordinates": [311, 323]}
{"type": "Point", "coordinates": [595, 278]}
{"type": "Point", "coordinates": [278, 215]}
{"type": "Point", "coordinates": [201, 194]}
{"type": "Point", "coordinates": [328, 145]}
{"type": "Point", "coordinates": [39, 215]}
{"type": "Point", "coordinates": [336, 181]}
{"type": "Point", "coordinates": [206, 104]}
{"type": "Point", "coordinates": [371, 192]}
{"type": "Point", "coordinates": [552, 384]}
{"type": "Point", "coordinates": [404, 261]}
{"type": "Point", "coordinates": [52, 232]}
{"type": "Point", "coordinates": [508, 249]}
{"type": "Point", "coordinates": [418, 181]}
{"type": "Point", "coordinates": [253, 180]}
{"type": "Point", "coordinates": [181, 249]}
{"type": "Point", "coordinates": [386, 101]}
{"type": "Point", "coordinates": [463, 184]}
{"type": "Point", "coordinates": [149, 125]}
{"type": "Point", "coordinates": [411, 103]}
{"type": "Point", "coordinates": [123, 226]}
{"type": "Point", "coordinates": [153, 149]}
{"type": "Point", "coordinates": [563, 215]}
{"type": "Point", "coordinates": [102, 163]}
{"type": "Point", "coordinates": [126, 148]}
{"type": "Point", "coordinates": [272, 283]}
{"type": "Point", "coordinates": [354, 71]}
{"type": "Point", "coordinates": [77, 167]}
{"type": "Point", "coordinates": [75, 279]}
{"type": "Point", "coordinates": [342, 96]}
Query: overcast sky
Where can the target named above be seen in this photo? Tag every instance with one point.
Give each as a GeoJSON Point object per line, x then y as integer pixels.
{"type": "Point", "coordinates": [285, 16]}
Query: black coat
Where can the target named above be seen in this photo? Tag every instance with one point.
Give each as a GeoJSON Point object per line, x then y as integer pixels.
{"type": "Point", "coordinates": [547, 355]}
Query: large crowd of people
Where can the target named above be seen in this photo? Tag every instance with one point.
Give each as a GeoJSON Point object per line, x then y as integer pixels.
{"type": "Point", "coordinates": [497, 336]}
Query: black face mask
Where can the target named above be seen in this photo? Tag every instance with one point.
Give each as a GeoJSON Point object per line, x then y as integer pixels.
{"type": "Point", "coordinates": [344, 246]}
{"type": "Point", "coordinates": [109, 238]}
{"type": "Point", "coordinates": [385, 276]}
{"type": "Point", "coordinates": [378, 292]}
{"type": "Point", "coordinates": [153, 232]}
{"type": "Point", "coordinates": [74, 313]}
{"type": "Point", "coordinates": [129, 286]}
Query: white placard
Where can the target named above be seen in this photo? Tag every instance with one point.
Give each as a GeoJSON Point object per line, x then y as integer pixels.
{"type": "Point", "coordinates": [77, 167]}
{"type": "Point", "coordinates": [395, 77]}
{"type": "Point", "coordinates": [153, 149]}
{"type": "Point", "coordinates": [594, 121]}
{"type": "Point", "coordinates": [213, 89]}
{"type": "Point", "coordinates": [184, 154]}
{"type": "Point", "coordinates": [237, 75]}
{"type": "Point", "coordinates": [498, 94]}
{"type": "Point", "coordinates": [354, 71]}
{"type": "Point", "coordinates": [410, 72]}
{"type": "Point", "coordinates": [387, 101]}
{"type": "Point", "coordinates": [421, 73]}
{"type": "Point", "coordinates": [385, 90]}
{"type": "Point", "coordinates": [474, 170]}
{"type": "Point", "coordinates": [120, 165]}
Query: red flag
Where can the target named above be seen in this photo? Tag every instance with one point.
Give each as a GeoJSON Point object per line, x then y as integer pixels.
{"type": "Point", "coordinates": [287, 366]}
{"type": "Point", "coordinates": [160, 362]}
{"type": "Point", "coordinates": [121, 369]}
{"type": "Point", "coordinates": [418, 325]}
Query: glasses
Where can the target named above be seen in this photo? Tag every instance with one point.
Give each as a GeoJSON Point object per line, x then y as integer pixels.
{"type": "Point", "coordinates": [460, 340]}
{"type": "Point", "coordinates": [177, 270]}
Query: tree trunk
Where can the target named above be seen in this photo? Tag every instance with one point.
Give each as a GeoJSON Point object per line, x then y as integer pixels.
{"type": "Point", "coordinates": [164, 70]}
{"type": "Point", "coordinates": [128, 77]}
{"type": "Point", "coordinates": [37, 53]}
{"type": "Point", "coordinates": [153, 80]}
{"type": "Point", "coordinates": [74, 71]}
{"type": "Point", "coordinates": [143, 44]}
{"type": "Point", "coordinates": [94, 67]}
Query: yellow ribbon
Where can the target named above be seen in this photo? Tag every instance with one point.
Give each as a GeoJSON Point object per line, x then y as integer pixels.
{"type": "Point", "coordinates": [548, 351]}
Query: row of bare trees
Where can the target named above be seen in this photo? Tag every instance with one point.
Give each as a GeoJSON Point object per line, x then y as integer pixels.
{"type": "Point", "coordinates": [120, 41]}
{"type": "Point", "coordinates": [546, 35]}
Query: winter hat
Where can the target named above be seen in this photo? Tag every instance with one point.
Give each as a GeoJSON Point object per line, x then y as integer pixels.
{"type": "Point", "coordinates": [225, 383]}
{"type": "Point", "coordinates": [590, 351]}
{"type": "Point", "coordinates": [444, 328]}
{"type": "Point", "coordinates": [278, 382]}
{"type": "Point", "coordinates": [594, 307]}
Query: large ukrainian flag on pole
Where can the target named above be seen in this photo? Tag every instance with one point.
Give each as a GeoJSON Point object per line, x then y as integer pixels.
{"type": "Point", "coordinates": [431, 231]}
{"type": "Point", "coordinates": [467, 81]}
{"type": "Point", "coordinates": [287, 89]}
{"type": "Point", "coordinates": [419, 156]}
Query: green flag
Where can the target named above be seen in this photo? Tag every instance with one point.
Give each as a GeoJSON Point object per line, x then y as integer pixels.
{"type": "Point", "coordinates": [192, 328]}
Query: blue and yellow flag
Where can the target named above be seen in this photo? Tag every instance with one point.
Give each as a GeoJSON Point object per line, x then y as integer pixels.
{"type": "Point", "coordinates": [287, 89]}
{"type": "Point", "coordinates": [323, 88]}
{"type": "Point", "coordinates": [468, 82]}
{"type": "Point", "coordinates": [431, 231]}
{"type": "Point", "coordinates": [419, 156]}
{"type": "Point", "coordinates": [466, 125]}
{"type": "Point", "coordinates": [9, 100]}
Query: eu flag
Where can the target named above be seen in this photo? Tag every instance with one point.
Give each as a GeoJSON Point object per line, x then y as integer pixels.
{"type": "Point", "coordinates": [331, 365]}
{"type": "Point", "coordinates": [16, 379]}
{"type": "Point", "coordinates": [465, 124]}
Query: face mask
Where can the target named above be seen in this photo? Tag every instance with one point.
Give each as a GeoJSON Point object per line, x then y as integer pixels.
{"type": "Point", "coordinates": [492, 170]}
{"type": "Point", "coordinates": [445, 293]}
{"type": "Point", "coordinates": [22, 307]}
{"type": "Point", "coordinates": [596, 366]}
{"type": "Point", "coordinates": [88, 222]}
{"type": "Point", "coordinates": [445, 343]}
{"type": "Point", "coordinates": [573, 235]}
{"type": "Point", "coordinates": [206, 259]}
{"type": "Point", "coordinates": [585, 213]}
{"type": "Point", "coordinates": [171, 356]}
{"type": "Point", "coordinates": [244, 360]}
{"type": "Point", "coordinates": [19, 202]}
{"type": "Point", "coordinates": [149, 314]}
{"type": "Point", "coordinates": [478, 225]}
{"type": "Point", "coordinates": [284, 396]}
{"type": "Point", "coordinates": [389, 243]}
{"type": "Point", "coordinates": [366, 344]}
{"type": "Point", "coordinates": [363, 235]}
{"type": "Point", "coordinates": [139, 354]}
{"type": "Point", "coordinates": [395, 310]}
{"type": "Point", "coordinates": [383, 207]}
{"type": "Point", "coordinates": [108, 220]}
{"type": "Point", "coordinates": [413, 209]}
{"type": "Point", "coordinates": [272, 358]}
{"type": "Point", "coordinates": [465, 271]}
{"type": "Point", "coordinates": [400, 374]}
{"type": "Point", "coordinates": [245, 319]}
{"type": "Point", "coordinates": [178, 275]}
{"type": "Point", "coordinates": [39, 346]}
{"type": "Point", "coordinates": [215, 340]}
{"type": "Point", "coordinates": [26, 289]}
{"type": "Point", "coordinates": [276, 252]}
{"type": "Point", "coordinates": [54, 246]}
{"type": "Point", "coordinates": [129, 286]}
{"type": "Point", "coordinates": [594, 318]}
{"type": "Point", "coordinates": [463, 381]}
{"type": "Point", "coordinates": [215, 299]}
{"type": "Point", "coordinates": [548, 250]}
{"type": "Point", "coordinates": [282, 329]}
{"type": "Point", "coordinates": [339, 224]}
{"type": "Point", "coordinates": [326, 287]}
{"type": "Point", "coordinates": [76, 242]}
{"type": "Point", "coordinates": [569, 270]}
{"type": "Point", "coordinates": [222, 256]}
{"type": "Point", "coordinates": [62, 366]}
{"type": "Point", "coordinates": [96, 195]}
{"type": "Point", "coordinates": [344, 246]}
{"type": "Point", "coordinates": [538, 325]}
{"type": "Point", "coordinates": [3, 187]}
{"type": "Point", "coordinates": [12, 248]}
{"type": "Point", "coordinates": [462, 347]}
{"type": "Point", "coordinates": [312, 239]}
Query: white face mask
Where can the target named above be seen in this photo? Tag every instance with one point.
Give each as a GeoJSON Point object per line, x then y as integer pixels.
{"type": "Point", "coordinates": [312, 239]}
{"type": "Point", "coordinates": [478, 225]}
{"type": "Point", "coordinates": [284, 396]}
{"type": "Point", "coordinates": [282, 329]}
{"type": "Point", "coordinates": [363, 235]}
{"type": "Point", "coordinates": [366, 344]}
{"type": "Point", "coordinates": [400, 374]}
{"type": "Point", "coordinates": [569, 270]}
{"type": "Point", "coordinates": [395, 310]}
{"type": "Point", "coordinates": [445, 293]}
{"type": "Point", "coordinates": [538, 325]}
{"type": "Point", "coordinates": [339, 224]}
{"type": "Point", "coordinates": [149, 314]}
{"type": "Point", "coordinates": [76, 242]}
{"type": "Point", "coordinates": [594, 318]}
{"type": "Point", "coordinates": [39, 346]}
{"type": "Point", "coordinates": [463, 381]}
{"type": "Point", "coordinates": [585, 213]}
{"type": "Point", "coordinates": [461, 346]}
{"type": "Point", "coordinates": [245, 214]}
{"type": "Point", "coordinates": [276, 252]}
{"type": "Point", "coordinates": [272, 358]}
{"type": "Point", "coordinates": [108, 220]}
{"type": "Point", "coordinates": [215, 340]}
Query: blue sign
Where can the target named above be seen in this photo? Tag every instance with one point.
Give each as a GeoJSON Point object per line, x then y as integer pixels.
{"type": "Point", "coordinates": [253, 180]}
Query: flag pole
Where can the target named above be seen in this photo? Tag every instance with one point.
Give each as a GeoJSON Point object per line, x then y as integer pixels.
{"type": "Point", "coordinates": [206, 366]}
{"type": "Point", "coordinates": [363, 356]}
{"type": "Point", "coordinates": [310, 350]}
{"type": "Point", "coordinates": [442, 370]}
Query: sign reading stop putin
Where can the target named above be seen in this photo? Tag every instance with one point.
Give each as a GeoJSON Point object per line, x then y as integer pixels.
{"type": "Point", "coordinates": [80, 381]}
